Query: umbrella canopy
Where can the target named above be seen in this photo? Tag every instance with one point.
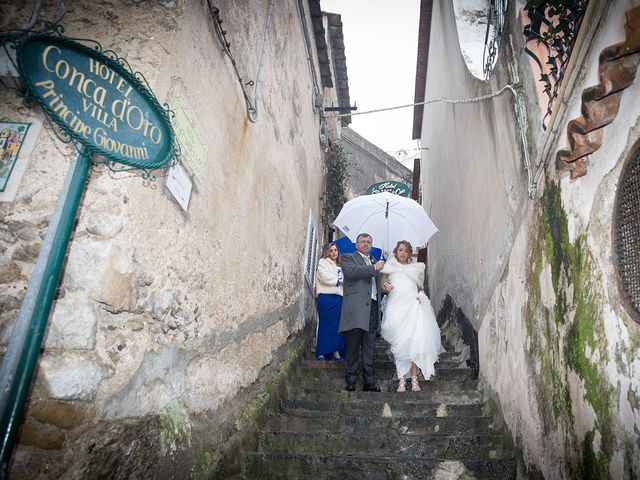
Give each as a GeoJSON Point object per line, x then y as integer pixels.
{"type": "Point", "coordinates": [388, 218]}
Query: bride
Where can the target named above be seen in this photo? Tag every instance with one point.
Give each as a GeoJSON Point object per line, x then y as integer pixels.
{"type": "Point", "coordinates": [409, 323]}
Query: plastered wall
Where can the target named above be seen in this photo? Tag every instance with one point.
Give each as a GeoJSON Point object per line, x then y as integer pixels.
{"type": "Point", "coordinates": [162, 311]}
{"type": "Point", "coordinates": [558, 351]}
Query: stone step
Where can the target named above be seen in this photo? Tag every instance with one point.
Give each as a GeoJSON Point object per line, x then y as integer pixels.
{"type": "Point", "coordinates": [383, 370]}
{"type": "Point", "coordinates": [382, 348]}
{"type": "Point", "coordinates": [447, 354]}
{"type": "Point", "coordinates": [388, 385]}
{"type": "Point", "coordinates": [387, 362]}
{"type": "Point", "coordinates": [446, 360]}
{"type": "Point", "coordinates": [449, 447]}
{"type": "Point", "coordinates": [375, 408]}
{"type": "Point", "coordinates": [364, 467]}
{"type": "Point", "coordinates": [426, 395]}
{"type": "Point", "coordinates": [455, 425]}
{"type": "Point", "coordinates": [336, 382]}
{"type": "Point", "coordinates": [381, 342]}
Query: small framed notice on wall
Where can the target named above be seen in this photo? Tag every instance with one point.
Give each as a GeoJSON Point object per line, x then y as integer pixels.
{"type": "Point", "coordinates": [12, 136]}
{"type": "Point", "coordinates": [17, 140]}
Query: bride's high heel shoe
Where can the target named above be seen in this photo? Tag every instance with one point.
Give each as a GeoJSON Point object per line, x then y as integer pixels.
{"type": "Point", "coordinates": [415, 386]}
{"type": "Point", "coordinates": [402, 386]}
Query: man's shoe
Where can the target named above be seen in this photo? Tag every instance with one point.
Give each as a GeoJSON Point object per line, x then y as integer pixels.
{"type": "Point", "coordinates": [370, 387]}
{"type": "Point", "coordinates": [351, 387]}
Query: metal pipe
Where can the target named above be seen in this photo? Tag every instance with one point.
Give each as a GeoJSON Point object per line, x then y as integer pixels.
{"type": "Point", "coordinates": [22, 352]}
{"type": "Point", "coordinates": [263, 43]}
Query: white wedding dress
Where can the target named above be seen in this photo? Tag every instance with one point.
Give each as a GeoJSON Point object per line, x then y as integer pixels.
{"type": "Point", "coordinates": [409, 323]}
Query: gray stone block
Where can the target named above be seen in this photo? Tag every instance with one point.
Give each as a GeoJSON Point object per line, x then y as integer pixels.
{"type": "Point", "coordinates": [73, 323]}
{"type": "Point", "coordinates": [72, 376]}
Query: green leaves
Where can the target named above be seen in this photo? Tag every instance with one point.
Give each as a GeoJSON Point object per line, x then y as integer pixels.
{"type": "Point", "coordinates": [336, 177]}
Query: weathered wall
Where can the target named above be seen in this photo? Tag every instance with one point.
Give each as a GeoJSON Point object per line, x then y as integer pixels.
{"type": "Point", "coordinates": [159, 311]}
{"type": "Point", "coordinates": [557, 318]}
{"type": "Point", "coordinates": [369, 164]}
{"type": "Point", "coordinates": [558, 352]}
{"type": "Point", "coordinates": [473, 179]}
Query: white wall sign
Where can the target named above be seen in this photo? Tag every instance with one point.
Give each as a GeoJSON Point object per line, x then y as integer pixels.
{"type": "Point", "coordinates": [179, 184]}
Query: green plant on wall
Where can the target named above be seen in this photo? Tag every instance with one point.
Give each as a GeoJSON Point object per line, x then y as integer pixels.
{"type": "Point", "coordinates": [569, 337]}
{"type": "Point", "coordinates": [336, 177]}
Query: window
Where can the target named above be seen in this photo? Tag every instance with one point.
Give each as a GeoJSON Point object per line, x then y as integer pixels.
{"type": "Point", "coordinates": [311, 252]}
{"type": "Point", "coordinates": [626, 234]}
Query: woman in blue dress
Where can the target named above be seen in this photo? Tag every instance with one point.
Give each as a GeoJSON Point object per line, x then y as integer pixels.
{"type": "Point", "coordinates": [330, 344]}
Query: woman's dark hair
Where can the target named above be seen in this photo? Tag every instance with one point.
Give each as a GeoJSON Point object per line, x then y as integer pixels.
{"type": "Point", "coordinates": [409, 247]}
{"type": "Point", "coordinates": [325, 252]}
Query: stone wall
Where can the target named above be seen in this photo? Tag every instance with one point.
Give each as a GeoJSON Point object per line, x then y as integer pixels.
{"type": "Point", "coordinates": [165, 316]}
{"type": "Point", "coordinates": [558, 352]}
{"type": "Point", "coordinates": [368, 164]}
{"type": "Point", "coordinates": [564, 324]}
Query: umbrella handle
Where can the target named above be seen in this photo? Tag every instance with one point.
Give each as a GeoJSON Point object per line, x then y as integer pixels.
{"type": "Point", "coordinates": [386, 216]}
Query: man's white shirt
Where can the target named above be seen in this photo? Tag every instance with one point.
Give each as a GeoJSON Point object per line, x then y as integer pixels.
{"type": "Point", "coordinates": [374, 291]}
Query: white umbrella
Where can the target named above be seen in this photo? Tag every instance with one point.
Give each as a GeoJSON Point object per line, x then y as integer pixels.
{"type": "Point", "coordinates": [388, 218]}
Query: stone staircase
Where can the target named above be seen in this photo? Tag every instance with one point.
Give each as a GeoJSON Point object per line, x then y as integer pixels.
{"type": "Point", "coordinates": [322, 431]}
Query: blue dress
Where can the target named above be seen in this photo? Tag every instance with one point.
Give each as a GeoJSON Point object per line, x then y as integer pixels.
{"type": "Point", "coordinates": [329, 340]}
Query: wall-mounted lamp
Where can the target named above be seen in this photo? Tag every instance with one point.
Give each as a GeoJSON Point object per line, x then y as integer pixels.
{"type": "Point", "coordinates": [9, 76]}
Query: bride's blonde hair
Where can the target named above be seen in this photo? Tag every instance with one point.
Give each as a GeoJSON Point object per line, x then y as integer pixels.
{"type": "Point", "coordinates": [409, 248]}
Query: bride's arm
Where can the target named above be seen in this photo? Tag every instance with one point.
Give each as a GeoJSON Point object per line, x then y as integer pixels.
{"type": "Point", "coordinates": [384, 282]}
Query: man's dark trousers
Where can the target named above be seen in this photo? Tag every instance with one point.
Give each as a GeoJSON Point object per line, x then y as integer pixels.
{"type": "Point", "coordinates": [356, 338]}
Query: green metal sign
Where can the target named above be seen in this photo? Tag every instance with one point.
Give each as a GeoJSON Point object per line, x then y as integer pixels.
{"type": "Point", "coordinates": [390, 186]}
{"type": "Point", "coordinates": [93, 97]}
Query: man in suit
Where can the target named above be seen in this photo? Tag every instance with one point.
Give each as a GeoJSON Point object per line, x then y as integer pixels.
{"type": "Point", "coordinates": [360, 319]}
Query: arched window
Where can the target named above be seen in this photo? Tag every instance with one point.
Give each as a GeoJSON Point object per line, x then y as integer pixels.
{"type": "Point", "coordinates": [626, 234]}
{"type": "Point", "coordinates": [480, 25]}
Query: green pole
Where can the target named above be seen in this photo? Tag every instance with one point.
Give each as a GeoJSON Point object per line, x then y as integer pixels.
{"type": "Point", "coordinates": [22, 352]}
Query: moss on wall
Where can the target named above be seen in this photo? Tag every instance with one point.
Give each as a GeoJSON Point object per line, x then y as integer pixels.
{"type": "Point", "coordinates": [554, 402]}
{"type": "Point", "coordinates": [222, 460]}
{"type": "Point", "coordinates": [257, 408]}
{"type": "Point", "coordinates": [592, 466]}
{"type": "Point", "coordinates": [569, 336]}
{"type": "Point", "coordinates": [586, 335]}
{"type": "Point", "coordinates": [558, 248]}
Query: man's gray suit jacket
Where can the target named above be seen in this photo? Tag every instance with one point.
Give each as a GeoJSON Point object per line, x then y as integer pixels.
{"type": "Point", "coordinates": [356, 304]}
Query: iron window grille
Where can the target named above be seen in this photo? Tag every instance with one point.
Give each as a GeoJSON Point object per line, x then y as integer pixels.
{"type": "Point", "coordinates": [626, 234]}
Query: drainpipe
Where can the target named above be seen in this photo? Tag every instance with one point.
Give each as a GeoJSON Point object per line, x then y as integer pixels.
{"type": "Point", "coordinates": [22, 352]}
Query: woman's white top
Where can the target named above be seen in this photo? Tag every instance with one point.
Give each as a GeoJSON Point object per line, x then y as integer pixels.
{"type": "Point", "coordinates": [328, 278]}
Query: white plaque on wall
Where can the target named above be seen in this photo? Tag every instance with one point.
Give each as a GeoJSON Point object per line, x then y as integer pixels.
{"type": "Point", "coordinates": [179, 184]}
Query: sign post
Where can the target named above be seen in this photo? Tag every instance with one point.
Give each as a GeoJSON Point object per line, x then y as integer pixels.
{"type": "Point", "coordinates": [22, 352]}
{"type": "Point", "coordinates": [98, 102]}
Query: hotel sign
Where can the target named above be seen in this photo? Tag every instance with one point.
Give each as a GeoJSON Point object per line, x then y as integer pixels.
{"type": "Point", "coordinates": [390, 186]}
{"type": "Point", "coordinates": [95, 99]}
